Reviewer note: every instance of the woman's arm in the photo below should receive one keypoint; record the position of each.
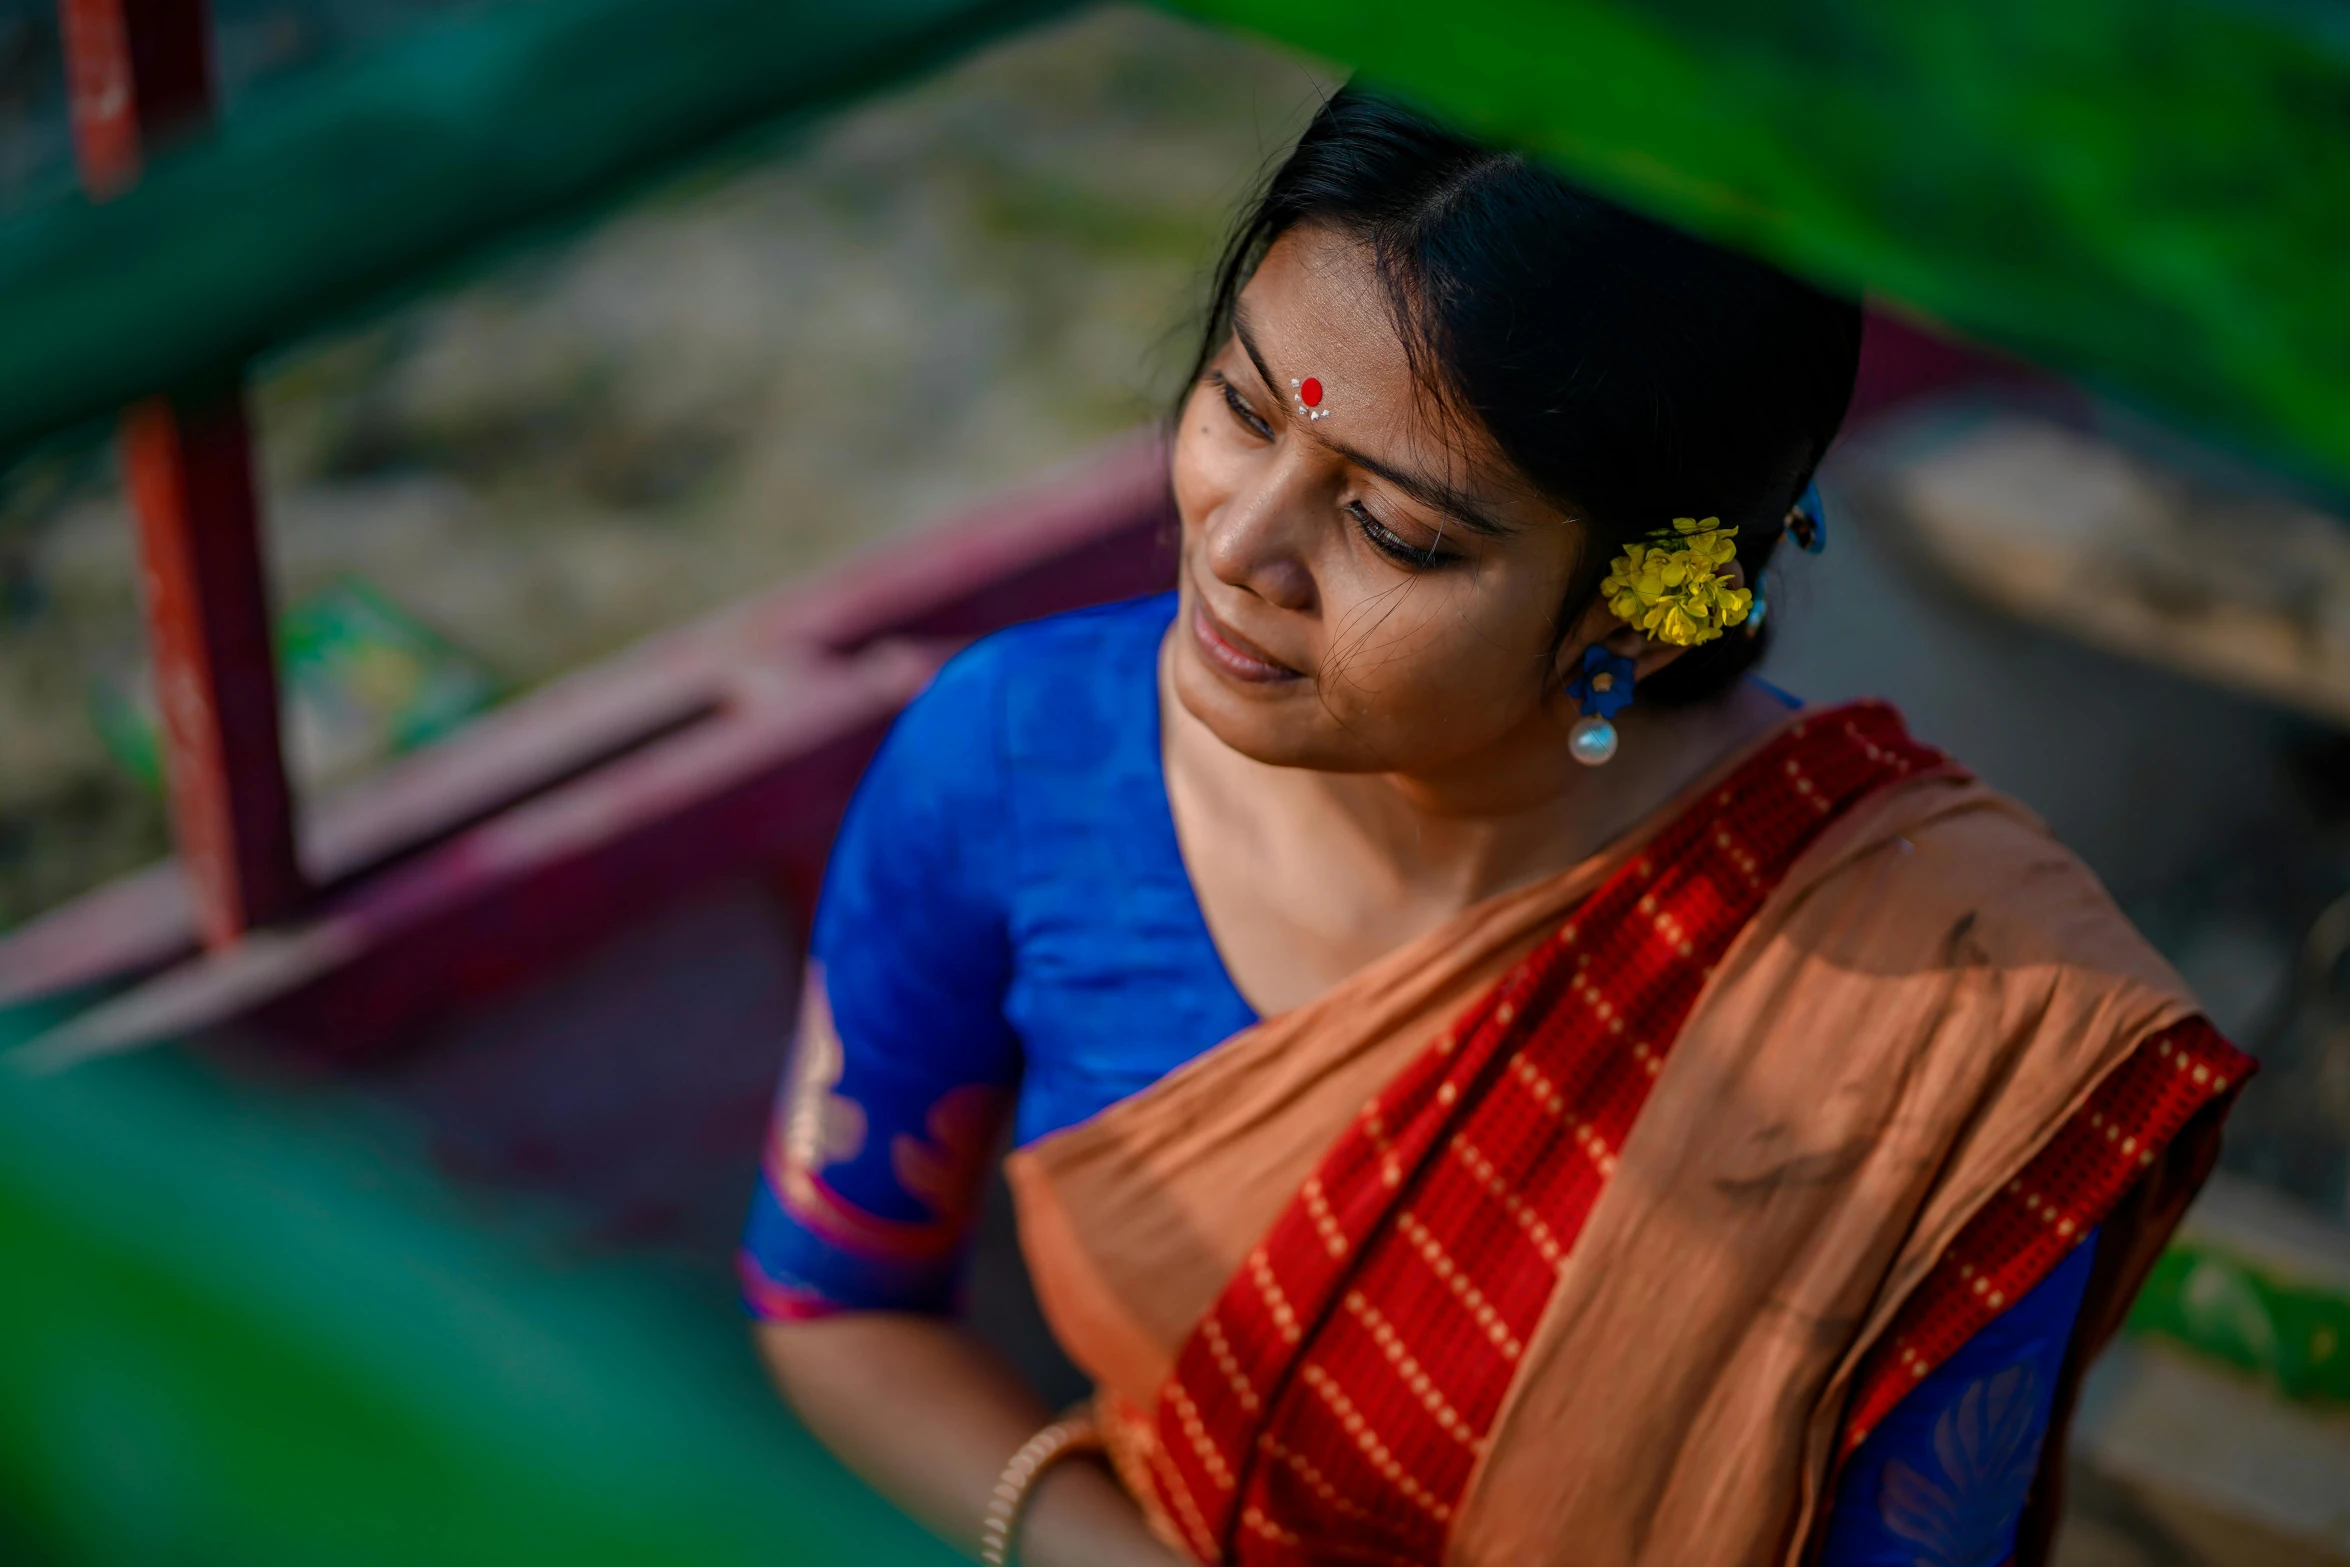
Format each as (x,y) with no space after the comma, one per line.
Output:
(930,1416)
(903,1070)
(902,1073)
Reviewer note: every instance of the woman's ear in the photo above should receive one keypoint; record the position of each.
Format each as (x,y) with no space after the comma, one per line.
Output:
(1648,656)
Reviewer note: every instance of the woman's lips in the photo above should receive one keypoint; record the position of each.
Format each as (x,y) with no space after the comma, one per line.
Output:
(1233,653)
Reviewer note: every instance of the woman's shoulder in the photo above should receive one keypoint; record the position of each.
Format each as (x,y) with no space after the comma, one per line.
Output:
(1070,680)
(1059,649)
(936,815)
(1951,873)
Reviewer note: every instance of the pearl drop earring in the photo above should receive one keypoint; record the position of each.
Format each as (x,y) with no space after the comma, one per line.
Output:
(1602,690)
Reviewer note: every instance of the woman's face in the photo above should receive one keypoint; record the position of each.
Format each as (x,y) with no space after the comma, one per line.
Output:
(1373,590)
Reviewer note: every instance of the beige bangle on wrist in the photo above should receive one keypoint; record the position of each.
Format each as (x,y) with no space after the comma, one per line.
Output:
(1073,1433)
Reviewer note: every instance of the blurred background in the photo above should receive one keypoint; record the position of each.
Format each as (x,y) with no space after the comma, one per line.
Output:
(784,356)
(390,1219)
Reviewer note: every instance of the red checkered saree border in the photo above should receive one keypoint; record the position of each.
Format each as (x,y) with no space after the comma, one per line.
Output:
(1332,1403)
(2018,1237)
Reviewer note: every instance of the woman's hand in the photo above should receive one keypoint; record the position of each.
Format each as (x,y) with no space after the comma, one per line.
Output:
(930,1416)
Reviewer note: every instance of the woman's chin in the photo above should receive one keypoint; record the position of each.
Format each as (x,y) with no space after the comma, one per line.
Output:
(1278,723)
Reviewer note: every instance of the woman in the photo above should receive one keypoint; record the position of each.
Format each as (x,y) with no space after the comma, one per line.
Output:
(1492,1082)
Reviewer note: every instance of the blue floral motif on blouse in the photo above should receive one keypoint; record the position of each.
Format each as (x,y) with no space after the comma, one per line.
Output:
(1986,1449)
(1942,1480)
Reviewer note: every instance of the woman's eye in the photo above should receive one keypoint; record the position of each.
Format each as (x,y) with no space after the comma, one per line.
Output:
(1241,411)
(1394,545)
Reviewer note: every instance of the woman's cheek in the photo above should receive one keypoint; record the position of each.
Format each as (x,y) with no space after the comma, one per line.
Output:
(1207,470)
(1388,655)
(1447,684)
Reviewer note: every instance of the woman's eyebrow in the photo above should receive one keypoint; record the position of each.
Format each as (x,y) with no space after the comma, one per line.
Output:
(1428,492)
(1248,346)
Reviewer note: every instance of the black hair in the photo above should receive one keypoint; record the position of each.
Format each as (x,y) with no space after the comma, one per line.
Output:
(1631,372)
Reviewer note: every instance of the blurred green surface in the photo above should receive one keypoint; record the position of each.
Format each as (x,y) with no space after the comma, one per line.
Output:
(2151,195)
(364,681)
(249,1326)
(244,1327)
(354,184)
(2154,196)
(2293,1336)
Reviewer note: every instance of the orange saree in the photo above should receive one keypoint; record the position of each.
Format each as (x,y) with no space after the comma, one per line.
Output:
(1597,1226)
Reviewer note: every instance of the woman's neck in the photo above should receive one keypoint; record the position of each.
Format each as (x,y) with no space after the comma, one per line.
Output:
(1305,876)
(1525,808)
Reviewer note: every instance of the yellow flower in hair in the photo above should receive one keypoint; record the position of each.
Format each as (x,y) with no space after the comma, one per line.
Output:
(1677,591)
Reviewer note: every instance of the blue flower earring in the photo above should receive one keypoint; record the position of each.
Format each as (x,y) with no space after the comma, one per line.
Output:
(1601,691)
(1807,521)
(1807,526)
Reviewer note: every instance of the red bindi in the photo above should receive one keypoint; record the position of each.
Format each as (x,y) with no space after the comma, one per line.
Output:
(1309,392)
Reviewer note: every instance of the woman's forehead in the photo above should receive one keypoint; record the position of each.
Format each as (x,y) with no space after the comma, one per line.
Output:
(1317,307)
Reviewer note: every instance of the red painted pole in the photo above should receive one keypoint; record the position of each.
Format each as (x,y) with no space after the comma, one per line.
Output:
(141,71)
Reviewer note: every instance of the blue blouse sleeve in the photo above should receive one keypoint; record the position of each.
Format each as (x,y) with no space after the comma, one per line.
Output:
(1942,1480)
(903,1068)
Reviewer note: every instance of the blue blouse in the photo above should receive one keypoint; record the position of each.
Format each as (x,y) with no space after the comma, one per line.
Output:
(1007,909)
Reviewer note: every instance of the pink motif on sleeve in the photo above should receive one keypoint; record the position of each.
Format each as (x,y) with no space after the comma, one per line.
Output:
(946,1172)
(819,1127)
(771,1301)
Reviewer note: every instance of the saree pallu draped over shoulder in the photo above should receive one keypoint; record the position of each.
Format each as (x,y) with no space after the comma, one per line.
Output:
(1598,1226)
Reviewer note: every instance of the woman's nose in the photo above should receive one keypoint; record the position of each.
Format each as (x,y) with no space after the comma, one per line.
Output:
(1258,539)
